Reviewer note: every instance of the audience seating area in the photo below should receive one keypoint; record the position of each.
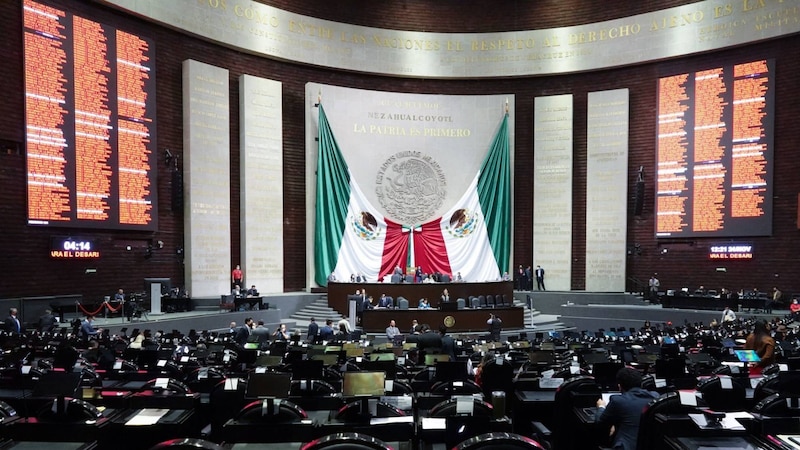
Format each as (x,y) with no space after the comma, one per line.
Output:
(539,391)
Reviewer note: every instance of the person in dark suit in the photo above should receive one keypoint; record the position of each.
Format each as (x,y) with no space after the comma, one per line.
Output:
(326,332)
(12,323)
(539,279)
(243,332)
(313,330)
(429,341)
(624,411)
(47,321)
(87,328)
(260,333)
(448,344)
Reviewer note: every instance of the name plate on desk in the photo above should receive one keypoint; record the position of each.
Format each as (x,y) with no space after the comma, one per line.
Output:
(550,383)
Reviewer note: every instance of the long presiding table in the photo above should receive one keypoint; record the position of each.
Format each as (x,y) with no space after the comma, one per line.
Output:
(338,292)
(468,319)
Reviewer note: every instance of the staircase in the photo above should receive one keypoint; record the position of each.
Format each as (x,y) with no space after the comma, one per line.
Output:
(319,310)
(541,322)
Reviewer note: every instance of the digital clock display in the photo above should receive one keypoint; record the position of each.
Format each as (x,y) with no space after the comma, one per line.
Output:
(67,247)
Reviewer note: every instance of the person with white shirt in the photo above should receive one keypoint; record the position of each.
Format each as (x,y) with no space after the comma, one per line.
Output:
(728,315)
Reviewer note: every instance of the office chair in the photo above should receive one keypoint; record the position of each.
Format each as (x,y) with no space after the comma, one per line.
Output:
(402,303)
(352,411)
(482,301)
(474,302)
(490,301)
(461,303)
(271,411)
(225,403)
(68,410)
(766,386)
(719,399)
(497,377)
(186,444)
(311,388)
(203,379)
(400,387)
(499,441)
(579,391)
(346,441)
(448,408)
(669,403)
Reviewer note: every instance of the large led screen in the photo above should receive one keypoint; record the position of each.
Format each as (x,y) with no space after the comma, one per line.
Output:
(90,122)
(715,152)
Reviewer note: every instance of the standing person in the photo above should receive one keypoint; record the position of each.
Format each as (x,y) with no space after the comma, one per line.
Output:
(313,331)
(539,279)
(728,316)
(495,327)
(448,344)
(519,279)
(243,333)
(326,332)
(237,277)
(280,333)
(764,345)
(47,321)
(624,411)
(12,323)
(654,284)
(776,300)
(445,296)
(261,333)
(529,279)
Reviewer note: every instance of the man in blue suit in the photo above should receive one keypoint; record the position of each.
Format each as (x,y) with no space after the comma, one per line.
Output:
(624,411)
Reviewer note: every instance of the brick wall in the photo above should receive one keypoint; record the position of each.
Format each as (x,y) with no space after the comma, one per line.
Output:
(27,270)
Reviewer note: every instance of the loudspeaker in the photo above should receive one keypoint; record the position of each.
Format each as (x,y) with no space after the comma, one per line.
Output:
(177,190)
(638,198)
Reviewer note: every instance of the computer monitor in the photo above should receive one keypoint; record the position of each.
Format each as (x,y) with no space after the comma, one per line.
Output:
(671,369)
(309,369)
(268,361)
(327,359)
(543,358)
(268,385)
(605,374)
(389,367)
(451,371)
(363,384)
(58,384)
(432,359)
(382,357)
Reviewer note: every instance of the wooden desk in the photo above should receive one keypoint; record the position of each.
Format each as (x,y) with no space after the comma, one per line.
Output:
(338,292)
(376,320)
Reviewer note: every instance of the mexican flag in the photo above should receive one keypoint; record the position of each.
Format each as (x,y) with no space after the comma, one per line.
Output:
(352,238)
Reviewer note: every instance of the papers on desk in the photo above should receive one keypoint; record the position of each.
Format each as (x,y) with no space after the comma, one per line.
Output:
(729,422)
(385,420)
(434,423)
(146,416)
(790,440)
(550,383)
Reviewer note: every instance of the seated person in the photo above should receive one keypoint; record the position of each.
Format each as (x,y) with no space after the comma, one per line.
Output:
(385,302)
(237,292)
(392,331)
(119,296)
(794,308)
(423,304)
(252,292)
(624,412)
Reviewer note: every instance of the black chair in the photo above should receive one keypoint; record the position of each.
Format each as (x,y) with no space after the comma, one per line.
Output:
(766,387)
(490,301)
(311,388)
(449,408)
(271,411)
(497,377)
(203,379)
(187,444)
(352,411)
(482,301)
(579,391)
(719,399)
(347,441)
(400,387)
(68,410)
(499,441)
(669,403)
